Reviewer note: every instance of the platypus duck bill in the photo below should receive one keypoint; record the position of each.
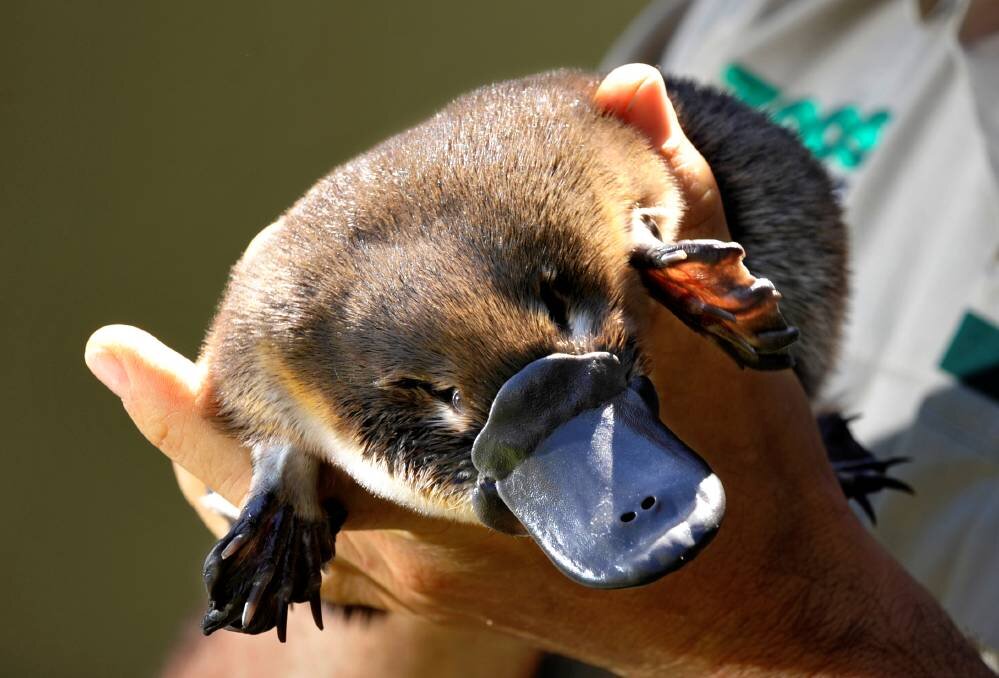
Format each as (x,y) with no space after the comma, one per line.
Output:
(575,455)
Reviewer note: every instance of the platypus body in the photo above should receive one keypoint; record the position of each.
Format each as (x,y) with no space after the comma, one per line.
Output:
(453,318)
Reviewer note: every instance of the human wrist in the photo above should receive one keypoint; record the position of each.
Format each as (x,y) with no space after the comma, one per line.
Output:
(898,627)
(859,614)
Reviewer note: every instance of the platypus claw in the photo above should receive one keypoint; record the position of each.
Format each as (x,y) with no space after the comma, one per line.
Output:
(705,283)
(859,472)
(270,559)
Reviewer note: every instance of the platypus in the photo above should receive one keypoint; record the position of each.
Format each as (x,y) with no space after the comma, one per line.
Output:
(452,317)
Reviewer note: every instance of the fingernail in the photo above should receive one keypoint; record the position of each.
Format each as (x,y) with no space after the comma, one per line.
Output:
(108,369)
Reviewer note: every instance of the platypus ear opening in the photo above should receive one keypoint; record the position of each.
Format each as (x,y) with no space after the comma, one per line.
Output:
(443,393)
(707,286)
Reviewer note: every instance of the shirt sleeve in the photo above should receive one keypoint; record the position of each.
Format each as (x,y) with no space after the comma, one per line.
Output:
(645,38)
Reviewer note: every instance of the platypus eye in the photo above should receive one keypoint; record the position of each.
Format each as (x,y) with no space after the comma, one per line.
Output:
(448,396)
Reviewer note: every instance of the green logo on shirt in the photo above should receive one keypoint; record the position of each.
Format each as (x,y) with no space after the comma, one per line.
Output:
(842,135)
(973,355)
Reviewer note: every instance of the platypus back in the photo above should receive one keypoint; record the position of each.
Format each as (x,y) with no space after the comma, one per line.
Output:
(449,315)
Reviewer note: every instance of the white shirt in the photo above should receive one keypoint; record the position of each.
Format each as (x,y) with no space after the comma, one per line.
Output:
(892,91)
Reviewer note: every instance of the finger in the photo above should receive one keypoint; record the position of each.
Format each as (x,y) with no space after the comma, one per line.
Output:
(195,491)
(637,95)
(160,391)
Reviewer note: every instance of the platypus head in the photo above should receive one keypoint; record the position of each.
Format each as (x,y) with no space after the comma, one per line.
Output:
(497,364)
(484,346)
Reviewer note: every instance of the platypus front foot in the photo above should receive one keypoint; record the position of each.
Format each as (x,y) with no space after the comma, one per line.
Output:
(706,285)
(269,559)
(272,557)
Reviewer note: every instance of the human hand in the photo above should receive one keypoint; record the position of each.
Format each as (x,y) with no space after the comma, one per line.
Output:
(636,94)
(790,569)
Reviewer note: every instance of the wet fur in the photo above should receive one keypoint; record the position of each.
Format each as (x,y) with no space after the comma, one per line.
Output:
(430,259)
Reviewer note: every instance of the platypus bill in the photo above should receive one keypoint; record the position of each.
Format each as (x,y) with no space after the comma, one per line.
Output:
(451,318)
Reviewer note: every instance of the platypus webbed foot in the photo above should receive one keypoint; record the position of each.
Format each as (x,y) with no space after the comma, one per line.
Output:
(859,472)
(705,283)
(275,551)
(270,559)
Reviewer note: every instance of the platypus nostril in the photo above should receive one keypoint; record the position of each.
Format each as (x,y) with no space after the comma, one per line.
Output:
(648,503)
(628,517)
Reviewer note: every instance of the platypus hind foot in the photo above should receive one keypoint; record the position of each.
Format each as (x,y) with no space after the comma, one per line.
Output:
(706,285)
(272,557)
(859,472)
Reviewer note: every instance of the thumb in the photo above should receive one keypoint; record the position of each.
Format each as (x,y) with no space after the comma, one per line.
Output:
(160,391)
(636,94)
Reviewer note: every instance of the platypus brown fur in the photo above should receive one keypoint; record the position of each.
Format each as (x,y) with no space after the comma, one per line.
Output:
(374,328)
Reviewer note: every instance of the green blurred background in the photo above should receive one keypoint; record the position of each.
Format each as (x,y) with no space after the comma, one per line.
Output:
(141,146)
